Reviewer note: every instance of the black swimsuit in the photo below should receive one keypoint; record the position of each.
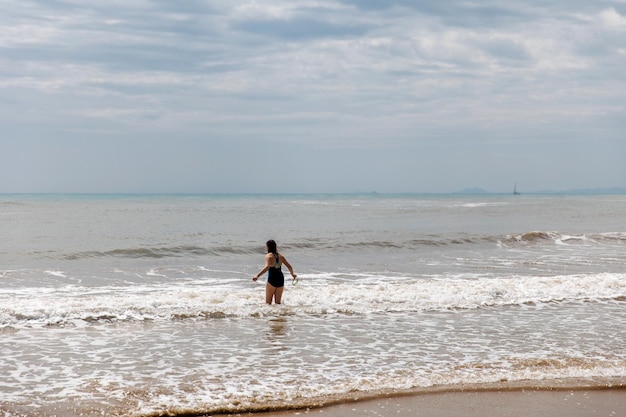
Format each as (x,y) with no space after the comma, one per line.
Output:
(275,276)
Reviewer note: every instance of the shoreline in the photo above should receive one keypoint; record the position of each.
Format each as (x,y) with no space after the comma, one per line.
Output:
(525,398)
(499,403)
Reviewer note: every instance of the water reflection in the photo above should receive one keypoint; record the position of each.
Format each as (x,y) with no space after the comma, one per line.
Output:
(277,329)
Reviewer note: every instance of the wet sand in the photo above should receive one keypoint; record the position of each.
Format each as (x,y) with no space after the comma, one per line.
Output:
(609,403)
(492,403)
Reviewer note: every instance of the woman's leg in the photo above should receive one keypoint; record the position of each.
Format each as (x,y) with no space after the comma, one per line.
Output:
(270,290)
(278,295)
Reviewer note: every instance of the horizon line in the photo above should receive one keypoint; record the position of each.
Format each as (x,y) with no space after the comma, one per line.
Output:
(467,191)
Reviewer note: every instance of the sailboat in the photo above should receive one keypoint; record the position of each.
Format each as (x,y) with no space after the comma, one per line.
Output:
(515,192)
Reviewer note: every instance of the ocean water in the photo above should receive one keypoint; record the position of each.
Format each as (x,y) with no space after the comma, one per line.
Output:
(142,305)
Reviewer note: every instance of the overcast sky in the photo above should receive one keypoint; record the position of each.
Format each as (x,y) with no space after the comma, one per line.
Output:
(311,96)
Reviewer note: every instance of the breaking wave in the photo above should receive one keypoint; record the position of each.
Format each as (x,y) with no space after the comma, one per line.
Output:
(560,238)
(527,238)
(315,295)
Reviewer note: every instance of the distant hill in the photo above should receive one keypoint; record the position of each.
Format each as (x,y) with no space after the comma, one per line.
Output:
(588,191)
(576,191)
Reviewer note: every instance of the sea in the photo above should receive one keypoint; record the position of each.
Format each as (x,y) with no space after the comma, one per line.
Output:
(144,305)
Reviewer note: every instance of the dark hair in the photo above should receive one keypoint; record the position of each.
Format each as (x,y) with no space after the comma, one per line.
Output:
(271,247)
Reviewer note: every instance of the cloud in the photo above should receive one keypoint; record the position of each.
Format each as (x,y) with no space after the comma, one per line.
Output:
(298,29)
(612,19)
(320,77)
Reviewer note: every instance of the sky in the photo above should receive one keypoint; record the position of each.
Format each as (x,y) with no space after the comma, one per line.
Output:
(285,96)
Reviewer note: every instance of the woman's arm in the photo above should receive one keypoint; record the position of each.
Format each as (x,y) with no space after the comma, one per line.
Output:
(268,259)
(288,265)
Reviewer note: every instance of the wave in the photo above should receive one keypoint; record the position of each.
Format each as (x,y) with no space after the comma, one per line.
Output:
(162,252)
(432,241)
(216,251)
(565,238)
(316,295)
(348,397)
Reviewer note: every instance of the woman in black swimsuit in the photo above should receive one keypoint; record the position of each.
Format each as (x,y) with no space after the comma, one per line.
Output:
(275,278)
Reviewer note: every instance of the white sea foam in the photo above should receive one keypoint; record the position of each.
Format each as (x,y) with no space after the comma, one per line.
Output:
(482,204)
(203,366)
(314,295)
(59,274)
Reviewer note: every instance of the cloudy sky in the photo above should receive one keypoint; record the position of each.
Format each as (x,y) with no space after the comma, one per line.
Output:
(311,95)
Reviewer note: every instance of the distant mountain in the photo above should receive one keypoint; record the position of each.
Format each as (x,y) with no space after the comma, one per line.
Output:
(576,191)
(588,191)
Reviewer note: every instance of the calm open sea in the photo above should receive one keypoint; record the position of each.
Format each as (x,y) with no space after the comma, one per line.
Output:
(144,304)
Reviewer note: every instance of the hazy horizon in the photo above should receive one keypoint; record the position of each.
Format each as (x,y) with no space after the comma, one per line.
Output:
(467,191)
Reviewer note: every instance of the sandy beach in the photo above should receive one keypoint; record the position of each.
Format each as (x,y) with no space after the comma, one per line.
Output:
(496,403)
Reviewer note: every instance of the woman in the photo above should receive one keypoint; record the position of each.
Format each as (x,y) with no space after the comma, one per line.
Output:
(275,278)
